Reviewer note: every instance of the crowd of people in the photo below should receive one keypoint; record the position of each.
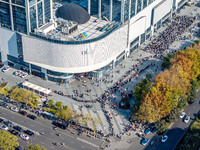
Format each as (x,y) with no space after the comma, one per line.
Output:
(168,36)
(157,46)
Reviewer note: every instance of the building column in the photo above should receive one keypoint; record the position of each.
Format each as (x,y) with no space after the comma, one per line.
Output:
(36,4)
(111,7)
(51,5)
(136,7)
(43,11)
(11,16)
(141,5)
(30,68)
(44,71)
(139,40)
(89,5)
(122,11)
(99,9)
(114,61)
(28,24)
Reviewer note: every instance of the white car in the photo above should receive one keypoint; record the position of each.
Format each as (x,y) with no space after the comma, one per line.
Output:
(183,114)
(187,119)
(4,127)
(24,137)
(14,109)
(164,138)
(5,69)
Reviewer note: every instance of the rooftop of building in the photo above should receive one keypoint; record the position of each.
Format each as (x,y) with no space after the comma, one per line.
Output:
(91,29)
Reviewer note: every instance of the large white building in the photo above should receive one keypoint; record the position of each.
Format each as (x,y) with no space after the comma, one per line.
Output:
(32,37)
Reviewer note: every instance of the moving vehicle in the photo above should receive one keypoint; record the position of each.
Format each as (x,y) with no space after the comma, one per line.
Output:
(60,124)
(145,141)
(29,132)
(187,119)
(24,113)
(164,138)
(3,127)
(32,117)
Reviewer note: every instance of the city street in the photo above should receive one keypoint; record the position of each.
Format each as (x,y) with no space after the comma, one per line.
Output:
(40,125)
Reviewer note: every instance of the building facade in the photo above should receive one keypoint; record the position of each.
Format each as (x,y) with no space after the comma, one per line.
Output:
(58,60)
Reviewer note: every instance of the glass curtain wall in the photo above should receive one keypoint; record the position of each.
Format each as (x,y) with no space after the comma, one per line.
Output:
(126,10)
(5,15)
(133,8)
(116,12)
(19,19)
(94,4)
(139,6)
(144,4)
(47,10)
(40,14)
(19,2)
(32,12)
(105,9)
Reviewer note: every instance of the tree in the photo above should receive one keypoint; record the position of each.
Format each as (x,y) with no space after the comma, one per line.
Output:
(50,102)
(35,147)
(8,141)
(64,113)
(148,76)
(14,87)
(58,105)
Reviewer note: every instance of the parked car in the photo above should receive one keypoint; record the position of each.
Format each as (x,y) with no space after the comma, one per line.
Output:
(32,117)
(164,138)
(1,120)
(3,127)
(154,130)
(147,131)
(18,148)
(187,119)
(182,114)
(8,123)
(24,113)
(14,109)
(5,69)
(14,132)
(18,128)
(24,137)
(145,141)
(29,132)
(5,105)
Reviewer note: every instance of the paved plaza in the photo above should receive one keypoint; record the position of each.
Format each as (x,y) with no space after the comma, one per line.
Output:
(100,85)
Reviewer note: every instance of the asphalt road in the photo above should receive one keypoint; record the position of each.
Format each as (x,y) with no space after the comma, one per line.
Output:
(178,129)
(72,142)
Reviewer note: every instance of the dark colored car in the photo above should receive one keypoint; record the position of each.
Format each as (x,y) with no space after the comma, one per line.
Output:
(1,120)
(29,132)
(18,128)
(14,132)
(8,123)
(154,130)
(18,148)
(32,117)
(24,113)
(60,124)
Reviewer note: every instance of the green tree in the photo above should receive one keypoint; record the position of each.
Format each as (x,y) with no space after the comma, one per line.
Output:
(182,103)
(64,113)
(35,147)
(8,141)
(58,105)
(50,102)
